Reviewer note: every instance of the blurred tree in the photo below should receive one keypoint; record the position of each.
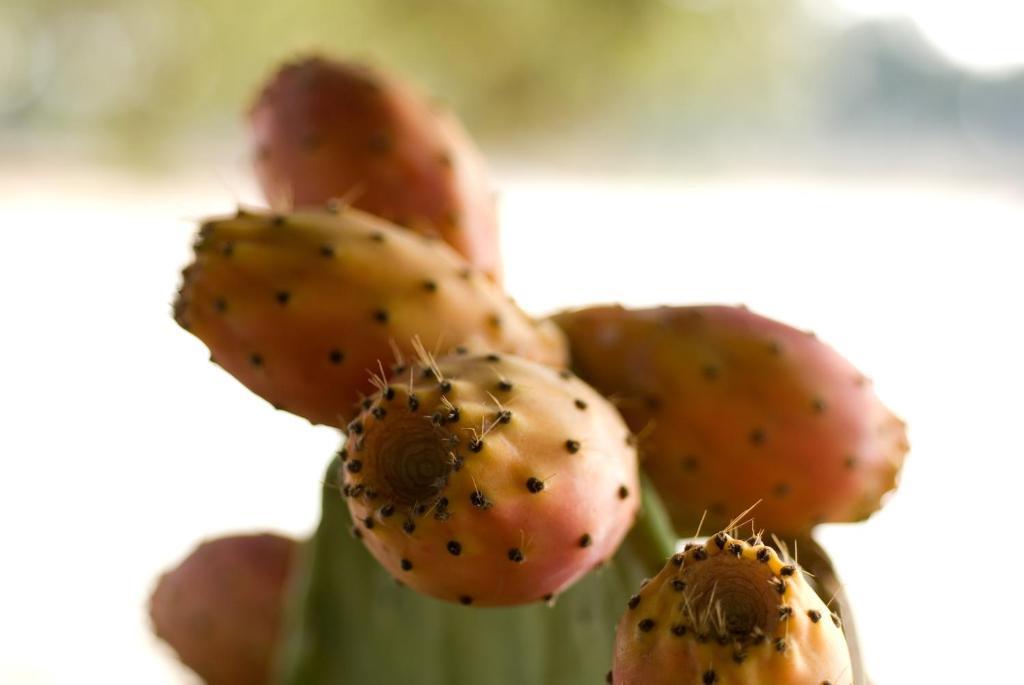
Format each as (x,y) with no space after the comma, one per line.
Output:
(145,72)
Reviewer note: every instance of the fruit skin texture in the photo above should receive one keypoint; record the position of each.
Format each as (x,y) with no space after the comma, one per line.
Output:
(301,307)
(728,612)
(324,130)
(734,408)
(489,480)
(222,607)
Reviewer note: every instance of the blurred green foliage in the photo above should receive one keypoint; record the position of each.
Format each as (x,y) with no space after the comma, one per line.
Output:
(145,72)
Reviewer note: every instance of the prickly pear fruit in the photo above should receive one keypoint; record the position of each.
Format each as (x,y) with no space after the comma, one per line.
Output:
(733,407)
(221,608)
(300,307)
(489,480)
(324,130)
(728,612)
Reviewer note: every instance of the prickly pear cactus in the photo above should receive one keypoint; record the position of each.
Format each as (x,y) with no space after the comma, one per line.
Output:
(301,307)
(734,408)
(221,609)
(484,521)
(350,622)
(489,479)
(730,612)
(325,130)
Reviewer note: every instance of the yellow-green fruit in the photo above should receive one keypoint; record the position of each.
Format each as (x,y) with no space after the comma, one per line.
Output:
(302,307)
(728,612)
(489,479)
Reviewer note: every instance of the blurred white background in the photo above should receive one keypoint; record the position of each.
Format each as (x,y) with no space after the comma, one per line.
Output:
(122,447)
(888,216)
(981,34)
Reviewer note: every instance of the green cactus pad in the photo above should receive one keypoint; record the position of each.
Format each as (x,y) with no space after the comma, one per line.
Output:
(350,622)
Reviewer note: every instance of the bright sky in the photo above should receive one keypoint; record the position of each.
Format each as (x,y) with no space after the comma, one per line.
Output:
(980,34)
